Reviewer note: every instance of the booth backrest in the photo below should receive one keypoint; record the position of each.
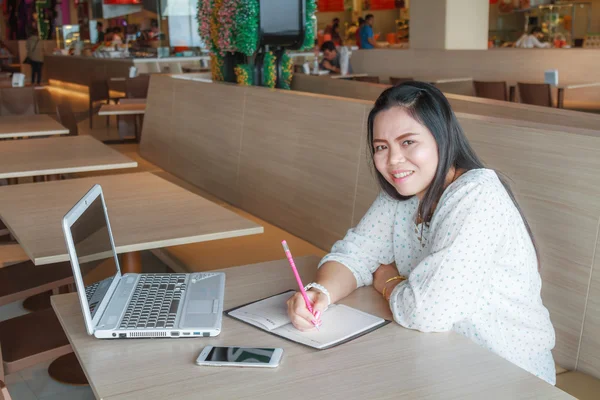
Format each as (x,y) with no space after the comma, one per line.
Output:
(299,161)
(459,103)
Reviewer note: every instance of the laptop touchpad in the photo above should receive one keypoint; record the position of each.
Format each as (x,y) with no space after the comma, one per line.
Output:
(200,306)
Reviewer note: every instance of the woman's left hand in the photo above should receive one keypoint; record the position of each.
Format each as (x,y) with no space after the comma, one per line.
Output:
(382,274)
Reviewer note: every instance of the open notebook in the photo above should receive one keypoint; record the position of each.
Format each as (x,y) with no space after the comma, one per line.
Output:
(340,323)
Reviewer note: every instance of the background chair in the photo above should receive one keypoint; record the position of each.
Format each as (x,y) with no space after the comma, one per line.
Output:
(22,280)
(98,91)
(537,94)
(370,79)
(491,90)
(18,101)
(65,115)
(396,80)
(31,339)
(137,88)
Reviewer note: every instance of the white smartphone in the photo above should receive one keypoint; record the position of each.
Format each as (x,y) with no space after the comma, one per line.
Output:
(232,356)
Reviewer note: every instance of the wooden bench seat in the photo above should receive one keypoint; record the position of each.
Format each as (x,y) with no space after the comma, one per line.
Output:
(580,385)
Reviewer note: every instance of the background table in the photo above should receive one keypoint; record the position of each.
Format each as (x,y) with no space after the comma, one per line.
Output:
(122,109)
(58,155)
(560,102)
(391,362)
(12,126)
(146,212)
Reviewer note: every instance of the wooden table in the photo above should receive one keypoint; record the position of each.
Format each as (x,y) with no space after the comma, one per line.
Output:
(122,109)
(58,155)
(391,362)
(146,212)
(13,126)
(560,101)
(435,81)
(347,76)
(561,91)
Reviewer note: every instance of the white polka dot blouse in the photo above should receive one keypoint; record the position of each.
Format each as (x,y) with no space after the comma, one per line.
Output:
(472,270)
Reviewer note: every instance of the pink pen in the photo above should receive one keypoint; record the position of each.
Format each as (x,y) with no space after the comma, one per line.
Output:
(288,254)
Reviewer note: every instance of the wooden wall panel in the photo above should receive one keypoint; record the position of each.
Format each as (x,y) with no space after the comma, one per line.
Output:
(337,87)
(554,176)
(589,355)
(298,167)
(159,122)
(574,66)
(207,135)
(459,103)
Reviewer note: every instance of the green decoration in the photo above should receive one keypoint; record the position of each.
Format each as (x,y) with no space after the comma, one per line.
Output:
(287,71)
(244,74)
(309,35)
(246,22)
(216,67)
(269,70)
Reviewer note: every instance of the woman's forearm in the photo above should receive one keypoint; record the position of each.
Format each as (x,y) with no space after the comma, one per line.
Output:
(337,279)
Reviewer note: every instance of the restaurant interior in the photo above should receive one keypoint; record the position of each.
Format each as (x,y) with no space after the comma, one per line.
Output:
(207,132)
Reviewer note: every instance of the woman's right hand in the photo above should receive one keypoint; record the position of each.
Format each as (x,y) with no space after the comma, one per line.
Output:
(301,318)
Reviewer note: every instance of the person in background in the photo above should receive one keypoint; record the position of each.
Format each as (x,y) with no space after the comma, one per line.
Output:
(335,34)
(529,41)
(154,33)
(100,29)
(329,28)
(35,53)
(331,58)
(367,39)
(361,23)
(117,36)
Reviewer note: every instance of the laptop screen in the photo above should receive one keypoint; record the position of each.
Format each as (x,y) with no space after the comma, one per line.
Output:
(94,253)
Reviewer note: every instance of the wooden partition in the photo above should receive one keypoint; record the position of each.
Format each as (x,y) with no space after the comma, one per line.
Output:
(300,161)
(459,103)
(78,70)
(512,65)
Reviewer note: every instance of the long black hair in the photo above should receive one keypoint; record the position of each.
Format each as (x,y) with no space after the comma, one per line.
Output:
(427,105)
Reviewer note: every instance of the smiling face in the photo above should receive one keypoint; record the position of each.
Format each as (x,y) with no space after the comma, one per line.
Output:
(405,152)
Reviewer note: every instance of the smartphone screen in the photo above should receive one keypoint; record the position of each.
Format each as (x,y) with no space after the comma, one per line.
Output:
(240,355)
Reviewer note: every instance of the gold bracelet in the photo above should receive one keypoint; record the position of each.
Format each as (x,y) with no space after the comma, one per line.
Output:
(395,278)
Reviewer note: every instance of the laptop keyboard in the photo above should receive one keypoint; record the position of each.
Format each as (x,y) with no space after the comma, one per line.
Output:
(155,302)
(89,293)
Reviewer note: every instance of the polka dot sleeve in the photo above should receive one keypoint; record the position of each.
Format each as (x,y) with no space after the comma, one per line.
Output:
(369,244)
(468,229)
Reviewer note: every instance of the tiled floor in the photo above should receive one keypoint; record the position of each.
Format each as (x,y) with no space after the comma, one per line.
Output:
(35,383)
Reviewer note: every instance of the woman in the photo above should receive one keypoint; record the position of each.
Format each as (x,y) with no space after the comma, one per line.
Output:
(35,54)
(532,40)
(445,242)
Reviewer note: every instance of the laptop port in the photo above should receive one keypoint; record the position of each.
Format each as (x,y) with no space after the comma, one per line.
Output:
(197,333)
(122,335)
(186,334)
(174,333)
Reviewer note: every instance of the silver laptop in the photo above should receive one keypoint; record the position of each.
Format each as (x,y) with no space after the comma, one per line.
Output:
(134,305)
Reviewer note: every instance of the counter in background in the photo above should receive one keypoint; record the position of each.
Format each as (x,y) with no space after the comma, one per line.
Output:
(75,72)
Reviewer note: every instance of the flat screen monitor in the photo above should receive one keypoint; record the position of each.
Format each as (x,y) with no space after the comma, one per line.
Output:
(282,23)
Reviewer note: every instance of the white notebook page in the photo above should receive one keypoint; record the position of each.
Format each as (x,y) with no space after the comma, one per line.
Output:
(340,322)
